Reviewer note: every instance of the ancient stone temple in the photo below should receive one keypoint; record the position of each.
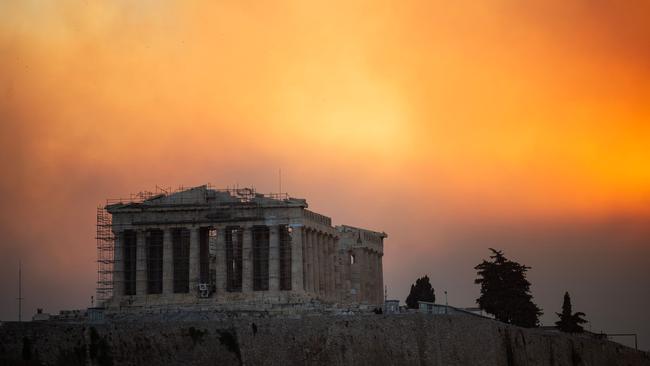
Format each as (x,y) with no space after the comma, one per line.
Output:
(236,247)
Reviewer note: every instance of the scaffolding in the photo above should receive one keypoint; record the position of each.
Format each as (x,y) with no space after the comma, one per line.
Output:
(244,194)
(105,254)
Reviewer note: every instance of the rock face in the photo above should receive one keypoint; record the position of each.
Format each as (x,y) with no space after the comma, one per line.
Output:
(412,339)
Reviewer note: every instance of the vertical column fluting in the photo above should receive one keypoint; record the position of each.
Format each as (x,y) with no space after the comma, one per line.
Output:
(373,261)
(376,278)
(346,277)
(296,259)
(356,275)
(326,281)
(372,296)
(326,267)
(274,258)
(337,270)
(339,265)
(367,277)
(368,267)
(304,264)
(118,265)
(247,259)
(307,261)
(330,242)
(141,264)
(168,264)
(375,274)
(362,274)
(194,259)
(221,261)
(371,285)
(318,260)
(323,265)
(316,263)
(380,277)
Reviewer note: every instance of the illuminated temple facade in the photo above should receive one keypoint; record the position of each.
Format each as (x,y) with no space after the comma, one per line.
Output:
(238,248)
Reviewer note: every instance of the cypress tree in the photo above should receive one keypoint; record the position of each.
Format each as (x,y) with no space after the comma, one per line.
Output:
(569,322)
(420,291)
(505,291)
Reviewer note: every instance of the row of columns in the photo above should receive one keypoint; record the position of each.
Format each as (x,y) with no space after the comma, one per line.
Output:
(319,263)
(221,264)
(141,269)
(369,274)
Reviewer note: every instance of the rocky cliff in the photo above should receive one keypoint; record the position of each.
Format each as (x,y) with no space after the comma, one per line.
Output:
(412,339)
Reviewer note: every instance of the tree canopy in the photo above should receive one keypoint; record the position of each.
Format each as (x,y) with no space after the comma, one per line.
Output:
(420,291)
(505,291)
(570,322)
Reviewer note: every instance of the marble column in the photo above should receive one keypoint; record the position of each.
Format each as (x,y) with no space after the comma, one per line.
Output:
(375,273)
(194,260)
(346,276)
(376,282)
(221,260)
(371,278)
(296,259)
(314,237)
(380,276)
(118,264)
(337,270)
(332,273)
(355,276)
(362,273)
(368,278)
(326,267)
(339,264)
(274,258)
(371,288)
(313,234)
(307,262)
(314,261)
(168,264)
(141,264)
(324,279)
(323,265)
(367,291)
(247,259)
(304,264)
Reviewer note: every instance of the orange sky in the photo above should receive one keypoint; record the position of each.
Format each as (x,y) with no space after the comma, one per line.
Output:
(447,124)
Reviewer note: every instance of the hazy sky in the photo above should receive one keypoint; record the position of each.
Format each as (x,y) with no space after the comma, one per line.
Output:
(454,126)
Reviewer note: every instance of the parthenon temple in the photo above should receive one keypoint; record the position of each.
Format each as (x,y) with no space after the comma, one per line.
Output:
(230,248)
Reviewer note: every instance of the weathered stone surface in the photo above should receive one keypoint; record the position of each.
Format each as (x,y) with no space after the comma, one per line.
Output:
(412,339)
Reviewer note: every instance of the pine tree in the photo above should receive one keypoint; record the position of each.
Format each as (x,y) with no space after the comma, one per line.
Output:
(569,322)
(420,291)
(505,292)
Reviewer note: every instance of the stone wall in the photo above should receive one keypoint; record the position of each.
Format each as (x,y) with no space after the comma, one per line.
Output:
(410,339)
